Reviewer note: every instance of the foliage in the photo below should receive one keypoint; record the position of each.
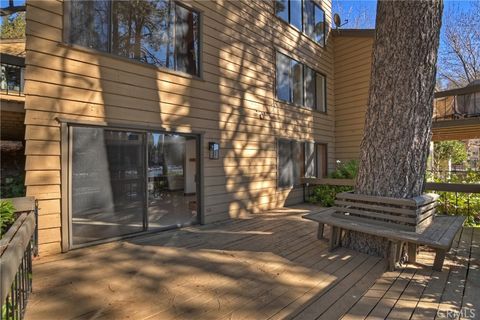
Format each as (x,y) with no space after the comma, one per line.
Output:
(7,215)
(325,194)
(13,26)
(15,187)
(458,62)
(451,149)
(348,170)
(459,203)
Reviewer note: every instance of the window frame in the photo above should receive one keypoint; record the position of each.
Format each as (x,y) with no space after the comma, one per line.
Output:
(303,168)
(324,92)
(302,30)
(317,168)
(66,21)
(291,103)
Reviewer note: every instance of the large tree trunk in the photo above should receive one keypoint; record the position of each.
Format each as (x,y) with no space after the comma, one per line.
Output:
(395,144)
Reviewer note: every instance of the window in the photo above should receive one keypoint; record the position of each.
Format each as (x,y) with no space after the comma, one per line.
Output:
(283,78)
(320,90)
(289,163)
(297,82)
(305,15)
(314,22)
(300,85)
(315,159)
(321,155)
(297,159)
(296,13)
(158,32)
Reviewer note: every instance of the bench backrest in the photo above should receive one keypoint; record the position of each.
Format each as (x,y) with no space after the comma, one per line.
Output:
(407,214)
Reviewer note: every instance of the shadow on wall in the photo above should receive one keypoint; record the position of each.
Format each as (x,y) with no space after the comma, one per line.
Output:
(251,119)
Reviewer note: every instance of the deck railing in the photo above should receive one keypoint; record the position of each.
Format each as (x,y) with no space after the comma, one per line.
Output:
(17,248)
(455,198)
(457,103)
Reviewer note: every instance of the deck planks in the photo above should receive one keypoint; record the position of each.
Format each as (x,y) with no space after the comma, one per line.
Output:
(268,267)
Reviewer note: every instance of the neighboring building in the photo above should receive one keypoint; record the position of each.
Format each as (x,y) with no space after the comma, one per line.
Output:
(12,115)
(456,112)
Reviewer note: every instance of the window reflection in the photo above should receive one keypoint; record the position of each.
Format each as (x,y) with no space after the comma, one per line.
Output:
(158,32)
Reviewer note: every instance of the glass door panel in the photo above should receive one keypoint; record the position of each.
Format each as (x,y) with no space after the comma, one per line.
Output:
(172,170)
(108,183)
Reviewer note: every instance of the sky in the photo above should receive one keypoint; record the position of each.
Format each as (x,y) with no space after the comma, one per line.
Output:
(4,3)
(361,13)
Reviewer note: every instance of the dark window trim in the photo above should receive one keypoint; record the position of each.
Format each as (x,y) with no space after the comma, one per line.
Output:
(302,173)
(324,91)
(66,125)
(302,30)
(67,43)
(325,112)
(322,175)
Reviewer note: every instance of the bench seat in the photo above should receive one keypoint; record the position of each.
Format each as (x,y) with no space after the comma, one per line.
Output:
(438,235)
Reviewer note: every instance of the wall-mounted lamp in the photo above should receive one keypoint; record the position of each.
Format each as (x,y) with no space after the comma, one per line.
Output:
(214,150)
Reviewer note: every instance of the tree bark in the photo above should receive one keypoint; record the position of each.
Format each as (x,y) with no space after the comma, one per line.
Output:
(398,122)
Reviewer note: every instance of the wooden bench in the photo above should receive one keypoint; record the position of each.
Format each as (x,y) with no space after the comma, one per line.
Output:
(439,234)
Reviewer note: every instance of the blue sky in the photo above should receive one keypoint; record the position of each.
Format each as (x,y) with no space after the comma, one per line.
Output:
(4,3)
(361,13)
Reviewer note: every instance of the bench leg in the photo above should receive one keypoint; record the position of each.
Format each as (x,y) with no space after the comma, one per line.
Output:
(392,255)
(439,259)
(412,252)
(320,231)
(334,237)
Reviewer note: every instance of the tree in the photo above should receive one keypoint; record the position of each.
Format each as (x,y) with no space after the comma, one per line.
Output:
(13,26)
(395,145)
(453,150)
(459,56)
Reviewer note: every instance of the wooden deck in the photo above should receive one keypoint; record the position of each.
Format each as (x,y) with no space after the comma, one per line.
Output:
(267,267)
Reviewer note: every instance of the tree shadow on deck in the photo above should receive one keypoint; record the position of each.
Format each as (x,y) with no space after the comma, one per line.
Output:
(251,268)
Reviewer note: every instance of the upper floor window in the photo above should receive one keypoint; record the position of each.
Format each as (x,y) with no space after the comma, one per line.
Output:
(305,15)
(299,84)
(158,32)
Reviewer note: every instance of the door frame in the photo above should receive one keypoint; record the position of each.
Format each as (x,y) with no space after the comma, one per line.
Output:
(66,163)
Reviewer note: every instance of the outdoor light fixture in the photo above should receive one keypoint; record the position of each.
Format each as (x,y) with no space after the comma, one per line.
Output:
(214,150)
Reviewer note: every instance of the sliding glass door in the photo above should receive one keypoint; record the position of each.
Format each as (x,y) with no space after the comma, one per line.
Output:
(171,180)
(107,183)
(123,182)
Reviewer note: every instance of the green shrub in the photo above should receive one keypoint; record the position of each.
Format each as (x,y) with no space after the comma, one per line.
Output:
(458,203)
(348,170)
(7,216)
(324,194)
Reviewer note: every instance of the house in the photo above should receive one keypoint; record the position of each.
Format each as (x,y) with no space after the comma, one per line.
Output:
(149,116)
(194,112)
(153,115)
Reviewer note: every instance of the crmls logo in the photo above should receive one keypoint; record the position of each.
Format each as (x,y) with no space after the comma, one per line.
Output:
(467,313)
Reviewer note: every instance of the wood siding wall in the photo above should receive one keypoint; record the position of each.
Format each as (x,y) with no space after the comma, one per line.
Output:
(233,103)
(353,58)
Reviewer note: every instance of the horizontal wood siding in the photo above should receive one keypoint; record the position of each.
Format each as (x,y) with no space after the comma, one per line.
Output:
(352,81)
(233,103)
